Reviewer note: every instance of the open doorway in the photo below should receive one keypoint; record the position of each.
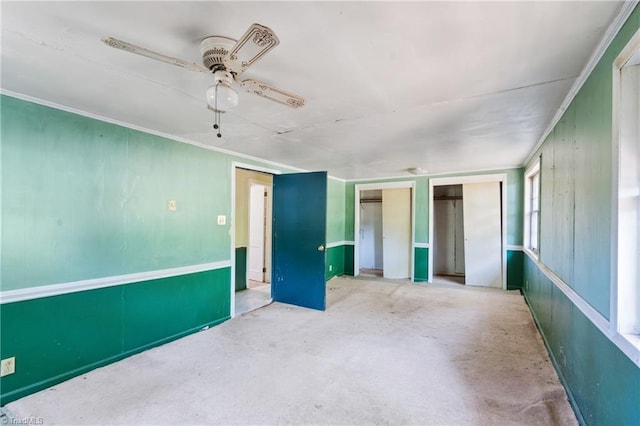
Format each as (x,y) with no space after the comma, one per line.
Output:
(384,220)
(371,233)
(259,230)
(252,232)
(448,241)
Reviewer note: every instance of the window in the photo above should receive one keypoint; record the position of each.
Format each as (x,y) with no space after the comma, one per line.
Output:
(627,113)
(532,208)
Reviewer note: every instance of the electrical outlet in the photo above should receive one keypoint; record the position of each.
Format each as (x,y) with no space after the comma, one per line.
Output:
(330,268)
(222,219)
(8,366)
(173,206)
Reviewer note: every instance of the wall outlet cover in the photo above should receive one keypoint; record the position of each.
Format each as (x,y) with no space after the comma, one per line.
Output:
(222,219)
(173,206)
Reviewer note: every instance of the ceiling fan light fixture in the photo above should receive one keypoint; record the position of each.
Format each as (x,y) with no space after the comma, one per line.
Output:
(417,170)
(221,97)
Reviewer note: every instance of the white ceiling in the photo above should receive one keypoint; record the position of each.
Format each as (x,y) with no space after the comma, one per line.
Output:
(445,86)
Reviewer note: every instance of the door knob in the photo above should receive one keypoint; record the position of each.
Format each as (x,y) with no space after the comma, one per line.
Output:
(321,247)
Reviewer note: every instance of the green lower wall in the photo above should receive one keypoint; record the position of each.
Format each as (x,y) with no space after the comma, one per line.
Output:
(340,259)
(602,382)
(241,268)
(335,261)
(421,264)
(515,266)
(348,259)
(59,337)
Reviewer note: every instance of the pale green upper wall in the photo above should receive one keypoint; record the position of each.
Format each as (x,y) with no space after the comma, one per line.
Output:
(514,204)
(576,183)
(335,210)
(84,199)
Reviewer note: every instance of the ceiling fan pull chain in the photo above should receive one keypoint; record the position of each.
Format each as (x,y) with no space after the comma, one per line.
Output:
(216,113)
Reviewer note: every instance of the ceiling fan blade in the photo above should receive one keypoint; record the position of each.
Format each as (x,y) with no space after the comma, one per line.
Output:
(266,91)
(252,46)
(128,47)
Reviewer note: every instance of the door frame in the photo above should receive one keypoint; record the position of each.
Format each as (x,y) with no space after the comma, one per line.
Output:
(234,166)
(266,216)
(461,180)
(356,225)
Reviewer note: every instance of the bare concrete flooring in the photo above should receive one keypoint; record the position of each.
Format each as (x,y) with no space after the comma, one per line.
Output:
(384,352)
(252,298)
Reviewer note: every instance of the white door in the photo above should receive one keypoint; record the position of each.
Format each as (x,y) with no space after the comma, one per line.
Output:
(396,233)
(482,234)
(371,235)
(267,233)
(256,232)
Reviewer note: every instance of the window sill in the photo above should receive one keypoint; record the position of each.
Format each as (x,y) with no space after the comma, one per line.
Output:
(534,255)
(633,339)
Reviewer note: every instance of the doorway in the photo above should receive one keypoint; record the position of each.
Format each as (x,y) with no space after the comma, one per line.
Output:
(259,248)
(371,233)
(252,232)
(294,242)
(384,221)
(448,255)
(467,224)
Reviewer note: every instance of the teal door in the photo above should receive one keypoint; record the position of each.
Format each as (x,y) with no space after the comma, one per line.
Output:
(299,234)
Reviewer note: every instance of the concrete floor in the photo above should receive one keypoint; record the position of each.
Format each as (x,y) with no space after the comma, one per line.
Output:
(384,352)
(252,298)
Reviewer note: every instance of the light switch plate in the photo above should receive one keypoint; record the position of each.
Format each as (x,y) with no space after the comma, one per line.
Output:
(8,366)
(222,219)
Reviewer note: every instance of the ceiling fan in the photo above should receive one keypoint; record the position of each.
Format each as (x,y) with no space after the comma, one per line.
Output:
(226,59)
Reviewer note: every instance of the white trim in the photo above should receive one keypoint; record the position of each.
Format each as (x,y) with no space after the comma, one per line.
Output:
(19,295)
(628,348)
(512,247)
(143,129)
(477,171)
(339,243)
(431,175)
(385,185)
(356,222)
(217,149)
(254,168)
(457,180)
(421,245)
(615,296)
(526,237)
(612,31)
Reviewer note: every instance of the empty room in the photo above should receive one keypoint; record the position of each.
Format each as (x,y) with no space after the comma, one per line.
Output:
(347,213)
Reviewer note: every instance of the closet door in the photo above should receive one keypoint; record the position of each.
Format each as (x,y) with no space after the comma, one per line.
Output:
(396,232)
(482,234)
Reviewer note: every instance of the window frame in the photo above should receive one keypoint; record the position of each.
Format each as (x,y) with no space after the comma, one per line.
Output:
(625,275)
(531,178)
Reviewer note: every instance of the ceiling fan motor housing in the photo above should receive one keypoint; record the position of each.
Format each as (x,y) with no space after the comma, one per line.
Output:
(214,49)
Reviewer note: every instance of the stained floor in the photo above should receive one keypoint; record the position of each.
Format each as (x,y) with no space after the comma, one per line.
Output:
(384,352)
